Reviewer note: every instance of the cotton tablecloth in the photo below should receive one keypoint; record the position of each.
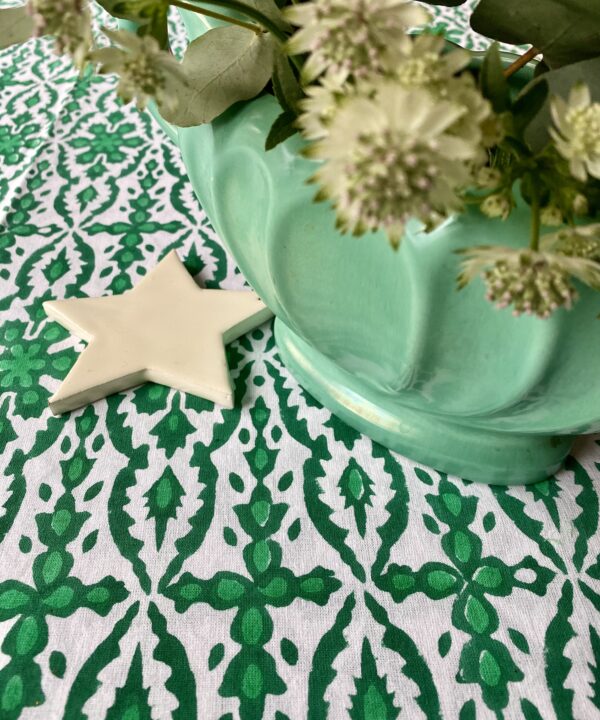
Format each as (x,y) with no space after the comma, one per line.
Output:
(161,557)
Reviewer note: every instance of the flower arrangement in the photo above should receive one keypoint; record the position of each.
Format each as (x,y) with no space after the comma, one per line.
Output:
(404,124)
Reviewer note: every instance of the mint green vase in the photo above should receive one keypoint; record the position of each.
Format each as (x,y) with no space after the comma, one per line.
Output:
(383,338)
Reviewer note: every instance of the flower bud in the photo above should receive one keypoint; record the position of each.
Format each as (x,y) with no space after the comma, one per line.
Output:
(551,216)
(496,206)
(580,205)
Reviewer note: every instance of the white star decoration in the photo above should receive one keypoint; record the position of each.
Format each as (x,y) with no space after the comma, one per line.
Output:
(165,330)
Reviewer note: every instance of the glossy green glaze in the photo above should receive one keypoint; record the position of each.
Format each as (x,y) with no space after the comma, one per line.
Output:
(383,338)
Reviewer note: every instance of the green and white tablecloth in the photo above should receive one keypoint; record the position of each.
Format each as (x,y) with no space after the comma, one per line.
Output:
(164,558)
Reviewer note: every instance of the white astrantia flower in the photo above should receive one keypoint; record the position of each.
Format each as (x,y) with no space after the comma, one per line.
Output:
(532,282)
(145,71)
(388,157)
(69,21)
(424,63)
(478,123)
(351,37)
(319,106)
(582,241)
(577,132)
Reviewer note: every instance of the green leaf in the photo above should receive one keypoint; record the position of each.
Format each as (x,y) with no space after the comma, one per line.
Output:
(558,664)
(282,129)
(164,498)
(289,651)
(16,26)
(25,544)
(285,84)
(93,490)
(89,541)
(172,429)
(444,643)
(294,529)
(215,656)
(372,698)
(566,31)
(285,481)
(489,521)
(270,10)
(415,667)
(320,514)
(514,508)
(322,672)
(58,663)
(229,536)
(396,509)
(236,482)
(586,523)
(181,682)
(560,83)
(494,85)
(221,67)
(528,105)
(530,712)
(131,700)
(595,667)
(431,524)
(86,682)
(356,487)
(519,640)
(467,712)
(423,476)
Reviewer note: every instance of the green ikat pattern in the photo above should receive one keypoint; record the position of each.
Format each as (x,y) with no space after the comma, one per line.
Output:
(165,559)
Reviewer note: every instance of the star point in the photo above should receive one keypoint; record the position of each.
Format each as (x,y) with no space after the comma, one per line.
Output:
(166,330)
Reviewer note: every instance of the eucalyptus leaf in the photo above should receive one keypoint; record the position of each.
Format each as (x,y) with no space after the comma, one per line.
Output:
(221,67)
(16,26)
(150,16)
(269,9)
(559,82)
(565,31)
(494,85)
(283,128)
(528,105)
(285,84)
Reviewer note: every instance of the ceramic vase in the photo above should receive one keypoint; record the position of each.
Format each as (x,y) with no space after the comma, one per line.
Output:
(384,339)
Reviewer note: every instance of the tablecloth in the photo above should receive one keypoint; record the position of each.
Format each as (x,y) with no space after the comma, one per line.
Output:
(161,557)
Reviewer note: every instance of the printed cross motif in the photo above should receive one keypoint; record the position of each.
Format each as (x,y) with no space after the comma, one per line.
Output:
(55,592)
(252,675)
(471,579)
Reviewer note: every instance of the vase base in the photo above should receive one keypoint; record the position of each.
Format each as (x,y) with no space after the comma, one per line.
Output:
(473,453)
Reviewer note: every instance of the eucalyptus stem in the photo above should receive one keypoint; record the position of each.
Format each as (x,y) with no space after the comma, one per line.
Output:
(535,221)
(521,62)
(217,16)
(240,7)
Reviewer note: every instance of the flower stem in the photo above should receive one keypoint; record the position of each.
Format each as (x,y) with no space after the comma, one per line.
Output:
(534,243)
(521,62)
(217,16)
(240,7)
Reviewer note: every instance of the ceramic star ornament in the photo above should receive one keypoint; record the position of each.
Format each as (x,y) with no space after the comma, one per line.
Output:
(165,330)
